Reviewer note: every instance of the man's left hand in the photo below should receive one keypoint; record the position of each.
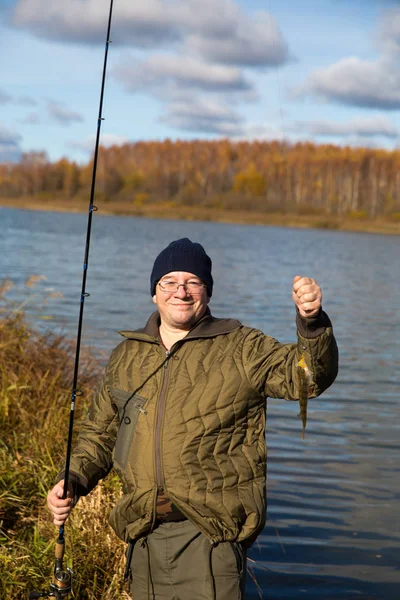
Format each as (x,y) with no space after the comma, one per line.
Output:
(307,296)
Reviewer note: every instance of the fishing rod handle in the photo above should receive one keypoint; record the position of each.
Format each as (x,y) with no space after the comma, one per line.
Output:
(59,549)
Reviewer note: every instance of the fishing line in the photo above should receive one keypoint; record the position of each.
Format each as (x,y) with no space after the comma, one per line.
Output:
(61,586)
(304,372)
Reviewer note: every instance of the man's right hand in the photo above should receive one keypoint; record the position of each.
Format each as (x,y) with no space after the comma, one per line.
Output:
(59,507)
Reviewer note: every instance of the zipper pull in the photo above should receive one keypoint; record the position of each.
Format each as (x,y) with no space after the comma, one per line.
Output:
(167,357)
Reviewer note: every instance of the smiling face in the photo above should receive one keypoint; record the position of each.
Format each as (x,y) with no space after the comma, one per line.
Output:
(181,309)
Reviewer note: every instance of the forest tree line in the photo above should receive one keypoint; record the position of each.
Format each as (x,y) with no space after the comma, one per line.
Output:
(301,178)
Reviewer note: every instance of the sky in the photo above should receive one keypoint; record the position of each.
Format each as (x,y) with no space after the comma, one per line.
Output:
(319,70)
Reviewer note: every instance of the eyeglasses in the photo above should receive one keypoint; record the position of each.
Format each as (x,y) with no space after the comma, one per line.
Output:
(193,287)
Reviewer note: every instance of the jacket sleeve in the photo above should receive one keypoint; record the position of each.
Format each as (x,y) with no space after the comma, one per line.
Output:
(271,367)
(91,459)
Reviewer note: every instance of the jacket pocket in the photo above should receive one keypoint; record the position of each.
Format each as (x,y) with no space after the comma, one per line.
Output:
(130,407)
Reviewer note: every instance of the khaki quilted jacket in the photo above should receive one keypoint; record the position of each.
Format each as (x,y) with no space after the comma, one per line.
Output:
(191,422)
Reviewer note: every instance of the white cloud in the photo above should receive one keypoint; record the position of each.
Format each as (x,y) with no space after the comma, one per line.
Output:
(137,23)
(215,117)
(217,29)
(9,137)
(205,116)
(389,31)
(62,115)
(362,142)
(363,83)
(32,118)
(106,140)
(210,43)
(170,75)
(260,131)
(243,41)
(360,127)
(22,100)
(351,81)
(26,101)
(10,150)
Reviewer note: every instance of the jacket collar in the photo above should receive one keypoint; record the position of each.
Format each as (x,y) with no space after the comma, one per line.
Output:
(207,326)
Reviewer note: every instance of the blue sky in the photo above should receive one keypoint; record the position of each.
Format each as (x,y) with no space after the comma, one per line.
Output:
(319,70)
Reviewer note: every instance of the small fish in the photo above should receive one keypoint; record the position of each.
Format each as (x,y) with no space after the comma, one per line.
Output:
(304,383)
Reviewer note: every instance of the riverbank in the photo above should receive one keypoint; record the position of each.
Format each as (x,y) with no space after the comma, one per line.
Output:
(171,210)
(35,385)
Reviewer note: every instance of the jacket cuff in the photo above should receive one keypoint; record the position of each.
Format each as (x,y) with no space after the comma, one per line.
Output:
(79,484)
(312,327)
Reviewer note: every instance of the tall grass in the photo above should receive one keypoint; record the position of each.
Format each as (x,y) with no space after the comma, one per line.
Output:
(35,389)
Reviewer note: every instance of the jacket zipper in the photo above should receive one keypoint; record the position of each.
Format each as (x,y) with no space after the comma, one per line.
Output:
(159,423)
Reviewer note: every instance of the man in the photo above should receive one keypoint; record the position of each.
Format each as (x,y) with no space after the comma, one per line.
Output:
(180,415)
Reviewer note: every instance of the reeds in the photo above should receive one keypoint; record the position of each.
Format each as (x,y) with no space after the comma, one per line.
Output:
(35,390)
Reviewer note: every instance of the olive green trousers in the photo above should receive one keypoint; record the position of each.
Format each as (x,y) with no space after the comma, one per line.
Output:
(177,562)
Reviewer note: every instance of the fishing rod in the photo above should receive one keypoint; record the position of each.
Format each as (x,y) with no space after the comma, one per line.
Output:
(61,585)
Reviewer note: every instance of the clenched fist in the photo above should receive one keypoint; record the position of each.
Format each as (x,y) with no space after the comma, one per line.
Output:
(307,296)
(59,507)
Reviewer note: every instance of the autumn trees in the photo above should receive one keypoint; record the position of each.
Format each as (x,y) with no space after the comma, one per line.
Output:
(264,176)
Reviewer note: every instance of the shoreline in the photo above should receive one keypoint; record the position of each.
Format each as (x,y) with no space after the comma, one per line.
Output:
(168,210)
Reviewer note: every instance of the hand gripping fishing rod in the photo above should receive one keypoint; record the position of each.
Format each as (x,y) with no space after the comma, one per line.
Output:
(61,585)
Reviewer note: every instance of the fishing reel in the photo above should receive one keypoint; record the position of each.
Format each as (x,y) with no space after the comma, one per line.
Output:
(61,586)
(59,589)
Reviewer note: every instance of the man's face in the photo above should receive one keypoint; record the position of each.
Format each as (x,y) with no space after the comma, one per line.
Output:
(180,309)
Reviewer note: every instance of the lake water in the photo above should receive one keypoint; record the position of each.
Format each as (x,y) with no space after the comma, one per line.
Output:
(333,529)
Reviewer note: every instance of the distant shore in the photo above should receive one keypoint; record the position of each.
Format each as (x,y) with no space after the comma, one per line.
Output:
(168,210)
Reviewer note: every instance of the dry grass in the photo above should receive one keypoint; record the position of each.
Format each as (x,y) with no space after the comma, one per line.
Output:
(35,391)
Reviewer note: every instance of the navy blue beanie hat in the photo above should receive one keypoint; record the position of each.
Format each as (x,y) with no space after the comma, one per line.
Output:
(182,255)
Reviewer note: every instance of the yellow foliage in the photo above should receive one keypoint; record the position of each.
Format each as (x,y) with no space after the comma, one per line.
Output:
(318,184)
(250,182)
(388,202)
(358,214)
(330,178)
(133,181)
(140,198)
